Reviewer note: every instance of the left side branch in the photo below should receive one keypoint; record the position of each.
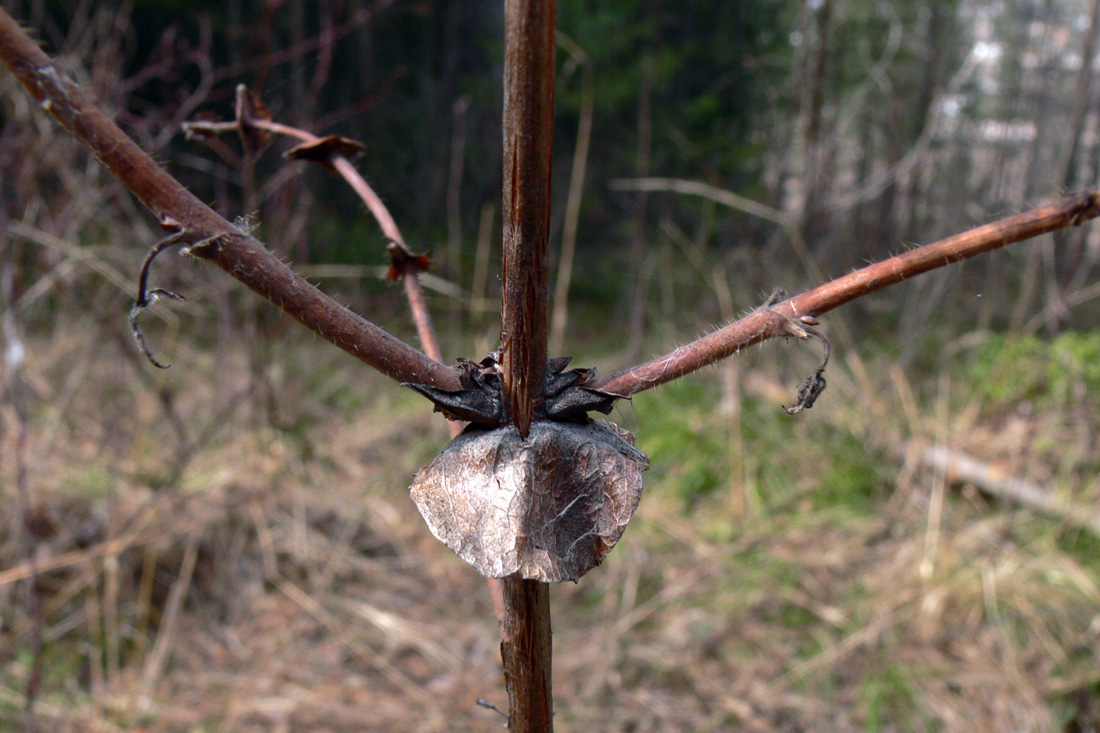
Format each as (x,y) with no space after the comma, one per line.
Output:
(182,214)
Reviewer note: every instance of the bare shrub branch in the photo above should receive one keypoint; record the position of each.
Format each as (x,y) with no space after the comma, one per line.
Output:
(333,154)
(771,321)
(179,211)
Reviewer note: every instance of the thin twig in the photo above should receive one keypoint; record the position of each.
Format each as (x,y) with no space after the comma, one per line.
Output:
(104,549)
(158,657)
(765,323)
(726,198)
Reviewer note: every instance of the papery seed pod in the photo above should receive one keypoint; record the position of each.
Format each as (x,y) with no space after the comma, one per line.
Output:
(549,507)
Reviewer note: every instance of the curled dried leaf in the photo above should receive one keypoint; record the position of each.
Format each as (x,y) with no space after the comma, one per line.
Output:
(566,394)
(481,399)
(549,507)
(814,385)
(402,258)
(323,150)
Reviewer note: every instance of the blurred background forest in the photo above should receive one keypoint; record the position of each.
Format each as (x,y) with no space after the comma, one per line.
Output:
(229,545)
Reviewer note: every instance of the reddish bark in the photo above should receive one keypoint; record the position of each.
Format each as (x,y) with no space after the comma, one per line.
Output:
(223,244)
(528,120)
(765,323)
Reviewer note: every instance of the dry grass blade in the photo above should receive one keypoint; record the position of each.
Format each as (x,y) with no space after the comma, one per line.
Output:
(850,643)
(84,255)
(166,638)
(105,549)
(399,678)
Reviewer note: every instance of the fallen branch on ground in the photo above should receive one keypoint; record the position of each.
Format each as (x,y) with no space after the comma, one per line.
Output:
(987,478)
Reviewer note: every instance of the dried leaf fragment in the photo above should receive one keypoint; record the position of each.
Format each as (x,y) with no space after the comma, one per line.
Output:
(402,258)
(550,507)
(323,150)
(250,108)
(566,394)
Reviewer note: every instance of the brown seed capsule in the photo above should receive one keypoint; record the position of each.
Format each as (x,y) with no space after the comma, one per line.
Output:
(550,507)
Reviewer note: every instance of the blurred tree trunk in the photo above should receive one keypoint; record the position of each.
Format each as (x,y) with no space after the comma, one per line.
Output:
(1071,246)
(785,125)
(1041,173)
(638,228)
(932,59)
(1081,94)
(814,185)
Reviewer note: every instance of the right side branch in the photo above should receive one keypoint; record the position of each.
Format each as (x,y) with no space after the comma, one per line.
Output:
(773,320)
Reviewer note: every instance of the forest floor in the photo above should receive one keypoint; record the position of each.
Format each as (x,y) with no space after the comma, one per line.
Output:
(223,547)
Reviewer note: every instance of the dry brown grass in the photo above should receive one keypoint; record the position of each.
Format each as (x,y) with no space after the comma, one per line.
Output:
(283,581)
(229,545)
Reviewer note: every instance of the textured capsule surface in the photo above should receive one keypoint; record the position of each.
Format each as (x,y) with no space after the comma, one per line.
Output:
(549,507)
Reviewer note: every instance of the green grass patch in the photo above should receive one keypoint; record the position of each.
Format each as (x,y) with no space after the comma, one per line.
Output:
(1011,369)
(685,437)
(890,702)
(855,475)
(1082,546)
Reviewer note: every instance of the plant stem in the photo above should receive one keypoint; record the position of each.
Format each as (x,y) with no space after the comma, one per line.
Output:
(765,323)
(528,120)
(526,654)
(178,210)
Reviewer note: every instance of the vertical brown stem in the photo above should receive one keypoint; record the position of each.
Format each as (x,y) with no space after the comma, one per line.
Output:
(528,120)
(526,654)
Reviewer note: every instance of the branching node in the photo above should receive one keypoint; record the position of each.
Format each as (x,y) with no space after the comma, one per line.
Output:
(814,384)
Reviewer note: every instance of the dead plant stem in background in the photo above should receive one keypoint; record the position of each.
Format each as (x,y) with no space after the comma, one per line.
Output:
(16,393)
(405,264)
(573,203)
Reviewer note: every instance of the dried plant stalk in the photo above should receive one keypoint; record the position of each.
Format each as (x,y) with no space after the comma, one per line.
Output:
(774,320)
(223,244)
(528,121)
